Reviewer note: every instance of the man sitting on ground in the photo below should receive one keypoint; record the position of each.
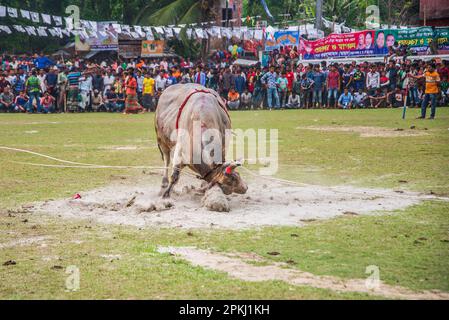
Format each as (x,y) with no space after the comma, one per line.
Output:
(233,99)
(293,101)
(7,100)
(360,99)
(48,102)
(246,100)
(345,100)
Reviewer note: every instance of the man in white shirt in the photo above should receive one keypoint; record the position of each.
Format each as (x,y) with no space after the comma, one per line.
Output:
(246,99)
(108,81)
(293,101)
(360,99)
(372,80)
(85,91)
(161,82)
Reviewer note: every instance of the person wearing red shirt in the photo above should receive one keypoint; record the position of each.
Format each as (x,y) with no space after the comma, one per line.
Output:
(333,83)
(290,78)
(131,103)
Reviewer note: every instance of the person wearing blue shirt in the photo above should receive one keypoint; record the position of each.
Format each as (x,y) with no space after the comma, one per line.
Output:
(318,85)
(200,77)
(345,100)
(270,80)
(43,62)
(239,83)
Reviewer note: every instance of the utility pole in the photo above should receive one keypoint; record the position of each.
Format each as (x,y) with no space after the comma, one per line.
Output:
(319,14)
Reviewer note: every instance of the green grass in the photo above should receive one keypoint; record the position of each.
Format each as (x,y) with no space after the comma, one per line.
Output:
(411,247)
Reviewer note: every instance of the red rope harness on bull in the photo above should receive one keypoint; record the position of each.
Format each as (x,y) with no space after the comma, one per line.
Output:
(223,106)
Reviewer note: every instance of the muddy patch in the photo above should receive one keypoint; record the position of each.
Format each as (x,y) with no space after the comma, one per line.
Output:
(267,203)
(369,132)
(239,269)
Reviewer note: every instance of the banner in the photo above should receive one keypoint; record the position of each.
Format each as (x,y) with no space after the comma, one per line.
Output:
(339,45)
(106,38)
(417,39)
(282,38)
(152,47)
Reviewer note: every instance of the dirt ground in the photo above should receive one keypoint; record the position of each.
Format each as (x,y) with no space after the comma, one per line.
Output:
(267,203)
(369,132)
(239,266)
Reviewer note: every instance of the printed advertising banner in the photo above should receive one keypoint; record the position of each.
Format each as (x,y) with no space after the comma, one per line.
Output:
(282,38)
(418,39)
(152,47)
(370,42)
(106,39)
(339,45)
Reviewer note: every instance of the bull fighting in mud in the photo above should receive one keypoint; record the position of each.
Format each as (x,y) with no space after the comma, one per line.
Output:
(180,108)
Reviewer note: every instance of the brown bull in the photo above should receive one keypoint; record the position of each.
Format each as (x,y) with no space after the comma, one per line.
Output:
(181,109)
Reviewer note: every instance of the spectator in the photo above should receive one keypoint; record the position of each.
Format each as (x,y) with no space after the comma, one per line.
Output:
(246,100)
(345,100)
(7,100)
(432,88)
(233,99)
(293,101)
(270,80)
(48,103)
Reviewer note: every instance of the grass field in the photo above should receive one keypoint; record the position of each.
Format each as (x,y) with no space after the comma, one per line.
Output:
(411,247)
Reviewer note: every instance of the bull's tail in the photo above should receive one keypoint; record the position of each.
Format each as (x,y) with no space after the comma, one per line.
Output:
(160,150)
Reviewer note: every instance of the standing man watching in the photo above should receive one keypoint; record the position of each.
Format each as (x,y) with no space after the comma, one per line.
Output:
(270,79)
(431,92)
(33,87)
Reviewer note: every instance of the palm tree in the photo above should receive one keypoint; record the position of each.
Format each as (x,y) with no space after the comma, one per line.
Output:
(176,12)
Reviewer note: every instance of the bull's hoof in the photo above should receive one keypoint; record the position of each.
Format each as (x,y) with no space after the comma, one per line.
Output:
(166,194)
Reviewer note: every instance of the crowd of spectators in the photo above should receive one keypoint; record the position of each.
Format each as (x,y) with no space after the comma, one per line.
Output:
(39,84)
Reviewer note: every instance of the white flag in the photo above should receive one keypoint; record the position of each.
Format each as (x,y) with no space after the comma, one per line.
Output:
(12,12)
(69,23)
(30,30)
(177,31)
(258,34)
(41,31)
(64,32)
(25,14)
(199,33)
(93,26)
(46,18)
(168,32)
(159,30)
(19,28)
(52,32)
(117,27)
(35,17)
(6,29)
(57,20)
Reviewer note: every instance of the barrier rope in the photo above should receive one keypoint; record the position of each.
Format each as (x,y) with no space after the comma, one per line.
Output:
(72,164)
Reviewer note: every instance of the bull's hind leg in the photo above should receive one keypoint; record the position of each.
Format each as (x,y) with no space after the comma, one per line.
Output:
(177,167)
(165,152)
(174,179)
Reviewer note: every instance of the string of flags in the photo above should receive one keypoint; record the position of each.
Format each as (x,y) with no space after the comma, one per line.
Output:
(57,26)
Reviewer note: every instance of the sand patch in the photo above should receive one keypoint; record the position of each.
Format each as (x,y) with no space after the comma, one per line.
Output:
(267,203)
(369,132)
(22,242)
(119,148)
(236,268)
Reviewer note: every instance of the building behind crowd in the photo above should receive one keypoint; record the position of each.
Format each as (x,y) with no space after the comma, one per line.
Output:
(434,12)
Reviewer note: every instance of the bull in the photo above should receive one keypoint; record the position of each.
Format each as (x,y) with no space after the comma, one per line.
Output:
(179,108)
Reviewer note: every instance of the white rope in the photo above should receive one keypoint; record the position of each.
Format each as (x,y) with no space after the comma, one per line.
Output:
(95,166)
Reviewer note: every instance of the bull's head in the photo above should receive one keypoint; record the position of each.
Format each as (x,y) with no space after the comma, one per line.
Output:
(229,179)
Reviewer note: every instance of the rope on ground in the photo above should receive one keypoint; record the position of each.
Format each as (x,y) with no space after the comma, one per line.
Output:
(73,164)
